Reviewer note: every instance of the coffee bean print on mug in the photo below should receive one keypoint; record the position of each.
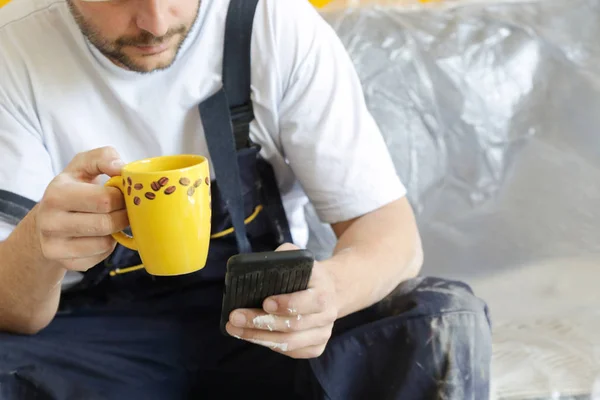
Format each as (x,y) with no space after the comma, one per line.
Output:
(184,181)
(161,187)
(163,181)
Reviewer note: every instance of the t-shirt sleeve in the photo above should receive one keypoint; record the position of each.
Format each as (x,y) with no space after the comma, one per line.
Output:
(328,136)
(26,168)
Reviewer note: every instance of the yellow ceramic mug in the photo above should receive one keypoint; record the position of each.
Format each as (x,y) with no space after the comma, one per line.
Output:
(320,3)
(168,205)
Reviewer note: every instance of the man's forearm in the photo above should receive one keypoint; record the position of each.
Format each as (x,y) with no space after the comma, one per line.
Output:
(29,285)
(374,254)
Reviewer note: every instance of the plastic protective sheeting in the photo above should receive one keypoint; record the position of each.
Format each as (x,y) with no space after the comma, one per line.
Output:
(492,115)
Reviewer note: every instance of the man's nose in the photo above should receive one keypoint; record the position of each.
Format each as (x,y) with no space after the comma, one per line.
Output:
(152,16)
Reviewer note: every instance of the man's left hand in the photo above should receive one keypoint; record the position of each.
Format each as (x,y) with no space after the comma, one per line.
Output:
(299,324)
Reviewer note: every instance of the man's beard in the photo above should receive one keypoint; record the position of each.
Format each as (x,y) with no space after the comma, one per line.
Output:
(114,49)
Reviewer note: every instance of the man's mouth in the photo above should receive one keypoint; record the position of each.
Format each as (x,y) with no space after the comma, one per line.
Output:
(152,49)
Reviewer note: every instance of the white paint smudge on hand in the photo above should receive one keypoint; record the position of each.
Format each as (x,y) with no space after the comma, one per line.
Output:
(272,345)
(264,321)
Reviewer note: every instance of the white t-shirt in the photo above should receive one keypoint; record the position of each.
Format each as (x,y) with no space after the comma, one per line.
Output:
(60,96)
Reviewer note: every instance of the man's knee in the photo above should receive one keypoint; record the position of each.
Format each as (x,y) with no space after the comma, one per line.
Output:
(429,297)
(447,314)
(452,330)
(431,338)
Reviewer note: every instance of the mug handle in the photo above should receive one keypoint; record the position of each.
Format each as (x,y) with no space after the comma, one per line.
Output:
(121,237)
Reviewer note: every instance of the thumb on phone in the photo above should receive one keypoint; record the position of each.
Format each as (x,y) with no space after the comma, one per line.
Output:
(287,247)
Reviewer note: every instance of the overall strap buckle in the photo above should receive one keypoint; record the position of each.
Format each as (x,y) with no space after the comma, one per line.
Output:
(241,117)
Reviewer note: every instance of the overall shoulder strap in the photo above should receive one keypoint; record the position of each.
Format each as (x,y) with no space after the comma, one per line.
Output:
(237,67)
(227,114)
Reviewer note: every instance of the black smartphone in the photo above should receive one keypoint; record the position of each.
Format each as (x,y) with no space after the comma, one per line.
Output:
(251,278)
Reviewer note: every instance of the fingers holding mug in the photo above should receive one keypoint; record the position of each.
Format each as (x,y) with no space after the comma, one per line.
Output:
(120,183)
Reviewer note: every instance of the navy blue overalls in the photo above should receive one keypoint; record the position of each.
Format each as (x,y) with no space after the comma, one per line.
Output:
(134,336)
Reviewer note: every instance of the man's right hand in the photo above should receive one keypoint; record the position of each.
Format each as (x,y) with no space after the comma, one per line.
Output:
(76,216)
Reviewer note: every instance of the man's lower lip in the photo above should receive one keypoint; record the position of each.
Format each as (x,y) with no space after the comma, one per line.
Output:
(153,49)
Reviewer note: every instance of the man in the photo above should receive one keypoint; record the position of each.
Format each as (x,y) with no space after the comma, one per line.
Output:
(86,86)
